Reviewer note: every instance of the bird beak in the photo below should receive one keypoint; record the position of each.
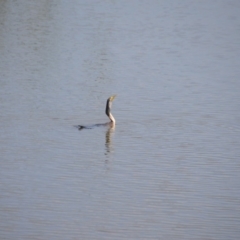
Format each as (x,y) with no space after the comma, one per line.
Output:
(113,97)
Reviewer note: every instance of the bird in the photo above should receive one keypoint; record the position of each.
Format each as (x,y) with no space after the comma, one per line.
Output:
(112,122)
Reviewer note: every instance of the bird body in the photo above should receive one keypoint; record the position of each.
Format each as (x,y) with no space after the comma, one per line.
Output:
(108,113)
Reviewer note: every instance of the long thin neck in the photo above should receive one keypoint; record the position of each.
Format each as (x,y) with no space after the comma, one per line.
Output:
(108,111)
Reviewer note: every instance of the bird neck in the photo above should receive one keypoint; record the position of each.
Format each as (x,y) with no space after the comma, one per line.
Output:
(112,118)
(108,112)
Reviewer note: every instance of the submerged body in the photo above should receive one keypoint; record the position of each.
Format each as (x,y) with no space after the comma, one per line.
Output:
(108,113)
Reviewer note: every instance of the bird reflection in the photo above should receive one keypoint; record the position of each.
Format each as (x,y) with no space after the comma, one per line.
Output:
(108,142)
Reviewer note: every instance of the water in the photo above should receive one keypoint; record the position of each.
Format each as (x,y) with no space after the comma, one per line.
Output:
(170,168)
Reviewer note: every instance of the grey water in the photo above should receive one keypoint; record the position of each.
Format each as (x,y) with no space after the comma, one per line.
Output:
(170,169)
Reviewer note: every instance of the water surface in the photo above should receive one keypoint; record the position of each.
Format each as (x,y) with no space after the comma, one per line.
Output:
(169,169)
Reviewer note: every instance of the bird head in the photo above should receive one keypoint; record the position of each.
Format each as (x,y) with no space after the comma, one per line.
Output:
(112,98)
